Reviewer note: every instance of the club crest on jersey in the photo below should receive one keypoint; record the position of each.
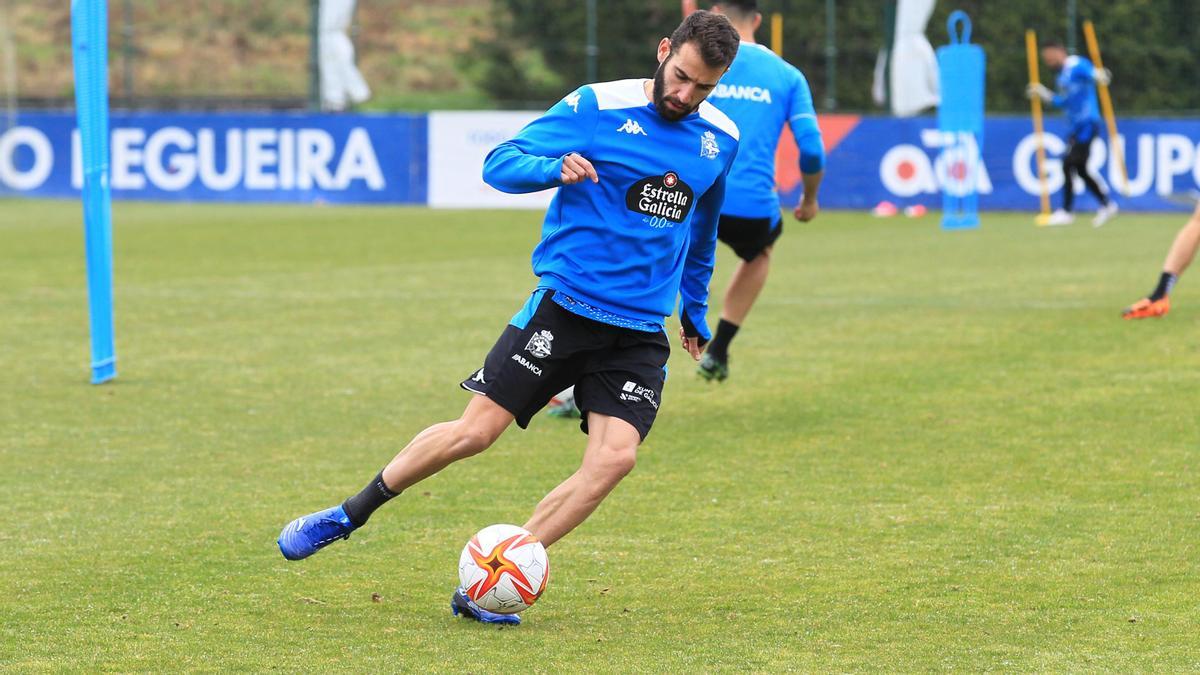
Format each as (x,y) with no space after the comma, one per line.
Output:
(664,198)
(708,145)
(539,344)
(573,101)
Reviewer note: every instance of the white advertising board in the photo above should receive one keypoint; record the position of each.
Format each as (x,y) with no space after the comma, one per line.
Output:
(458,143)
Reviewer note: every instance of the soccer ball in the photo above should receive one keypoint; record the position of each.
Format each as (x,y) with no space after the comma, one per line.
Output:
(504,569)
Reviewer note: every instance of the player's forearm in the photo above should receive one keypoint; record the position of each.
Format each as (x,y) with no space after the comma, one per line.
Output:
(509,169)
(812,184)
(1183,250)
(693,288)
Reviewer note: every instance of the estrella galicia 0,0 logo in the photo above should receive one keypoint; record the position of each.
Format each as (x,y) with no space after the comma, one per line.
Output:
(665,196)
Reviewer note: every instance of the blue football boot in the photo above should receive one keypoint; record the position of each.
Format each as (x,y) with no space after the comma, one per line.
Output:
(461,605)
(306,535)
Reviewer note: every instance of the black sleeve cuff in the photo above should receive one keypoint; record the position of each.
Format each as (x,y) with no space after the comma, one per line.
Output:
(689,328)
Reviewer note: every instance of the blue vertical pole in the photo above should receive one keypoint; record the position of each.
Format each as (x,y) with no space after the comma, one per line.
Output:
(89,38)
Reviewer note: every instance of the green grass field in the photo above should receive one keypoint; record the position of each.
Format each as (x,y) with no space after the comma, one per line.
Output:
(938,451)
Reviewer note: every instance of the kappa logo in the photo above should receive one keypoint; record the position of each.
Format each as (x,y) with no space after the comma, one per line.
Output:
(539,344)
(708,145)
(478,377)
(573,101)
(631,127)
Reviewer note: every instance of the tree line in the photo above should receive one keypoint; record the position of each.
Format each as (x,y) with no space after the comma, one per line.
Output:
(539,49)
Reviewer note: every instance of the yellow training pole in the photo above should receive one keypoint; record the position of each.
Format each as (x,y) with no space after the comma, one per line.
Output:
(1035,103)
(777,33)
(1106,107)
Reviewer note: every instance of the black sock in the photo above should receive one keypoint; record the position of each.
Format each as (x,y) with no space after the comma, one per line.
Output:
(360,507)
(719,347)
(1165,283)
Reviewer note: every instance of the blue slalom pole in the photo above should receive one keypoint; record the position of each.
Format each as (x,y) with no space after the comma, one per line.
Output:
(89,41)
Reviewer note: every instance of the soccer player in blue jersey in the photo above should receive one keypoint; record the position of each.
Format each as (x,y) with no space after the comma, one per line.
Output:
(639,167)
(761,93)
(1077,79)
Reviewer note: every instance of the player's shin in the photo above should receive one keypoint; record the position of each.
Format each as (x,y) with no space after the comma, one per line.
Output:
(605,463)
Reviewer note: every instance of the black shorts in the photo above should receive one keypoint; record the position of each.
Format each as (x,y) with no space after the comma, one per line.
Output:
(748,237)
(1078,151)
(1077,154)
(616,371)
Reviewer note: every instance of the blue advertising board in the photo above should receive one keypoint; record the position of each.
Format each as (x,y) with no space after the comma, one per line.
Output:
(909,161)
(304,158)
(227,157)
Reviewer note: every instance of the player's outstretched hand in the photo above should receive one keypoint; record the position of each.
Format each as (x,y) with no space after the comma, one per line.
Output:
(806,210)
(576,169)
(1103,76)
(693,345)
(1039,90)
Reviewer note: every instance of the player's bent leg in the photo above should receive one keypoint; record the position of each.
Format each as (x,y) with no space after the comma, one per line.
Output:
(1179,257)
(440,445)
(611,454)
(431,451)
(744,288)
(1183,248)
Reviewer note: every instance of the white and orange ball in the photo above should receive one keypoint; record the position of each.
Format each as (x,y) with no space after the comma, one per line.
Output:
(504,569)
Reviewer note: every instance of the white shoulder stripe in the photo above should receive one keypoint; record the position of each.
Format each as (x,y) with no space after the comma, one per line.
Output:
(620,94)
(709,113)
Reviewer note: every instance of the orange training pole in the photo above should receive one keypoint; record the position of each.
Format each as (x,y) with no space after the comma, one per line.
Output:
(1031,54)
(1106,107)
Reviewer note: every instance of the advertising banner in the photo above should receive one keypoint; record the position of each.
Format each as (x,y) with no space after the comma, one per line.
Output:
(437,159)
(458,144)
(908,161)
(226,157)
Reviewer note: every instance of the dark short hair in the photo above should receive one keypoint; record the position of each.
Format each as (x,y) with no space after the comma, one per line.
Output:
(1053,43)
(713,35)
(744,7)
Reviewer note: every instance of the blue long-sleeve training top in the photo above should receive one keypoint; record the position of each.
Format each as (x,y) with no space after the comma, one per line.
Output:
(761,93)
(1077,95)
(646,234)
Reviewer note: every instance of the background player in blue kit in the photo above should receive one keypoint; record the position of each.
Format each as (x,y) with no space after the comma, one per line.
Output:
(640,167)
(761,93)
(1076,83)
